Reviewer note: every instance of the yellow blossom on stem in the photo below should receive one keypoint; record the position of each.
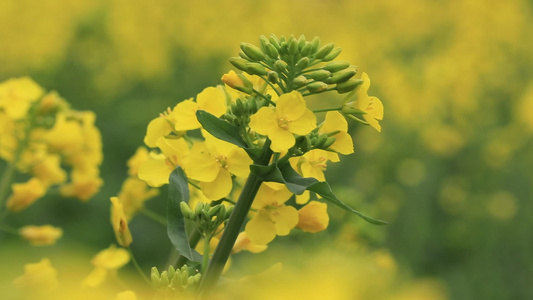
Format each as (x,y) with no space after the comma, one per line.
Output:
(313,217)
(83,186)
(17,95)
(358,101)
(244,242)
(140,156)
(49,171)
(66,135)
(335,122)
(120,223)
(273,217)
(41,235)
(211,99)
(212,163)
(156,170)
(314,163)
(38,277)
(24,194)
(289,117)
(106,262)
(159,127)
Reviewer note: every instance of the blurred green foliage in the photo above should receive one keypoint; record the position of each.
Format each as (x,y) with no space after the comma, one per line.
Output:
(451,169)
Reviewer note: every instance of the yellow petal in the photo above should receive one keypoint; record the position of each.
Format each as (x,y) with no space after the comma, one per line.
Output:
(313,217)
(290,106)
(217,146)
(200,165)
(218,188)
(264,121)
(155,171)
(309,170)
(377,108)
(286,218)
(95,278)
(157,128)
(261,229)
(119,223)
(266,195)
(303,198)
(174,149)
(303,125)
(372,122)
(238,163)
(38,277)
(281,139)
(111,258)
(185,115)
(41,235)
(334,121)
(343,143)
(212,100)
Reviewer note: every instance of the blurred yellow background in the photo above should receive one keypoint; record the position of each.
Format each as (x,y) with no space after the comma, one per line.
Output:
(451,169)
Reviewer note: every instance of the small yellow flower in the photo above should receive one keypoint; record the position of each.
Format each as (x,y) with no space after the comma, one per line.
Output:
(83,186)
(233,80)
(212,163)
(66,135)
(120,223)
(211,99)
(313,217)
(140,156)
(359,100)
(17,95)
(156,170)
(24,194)
(49,171)
(272,217)
(39,277)
(289,117)
(41,235)
(335,122)
(314,163)
(106,262)
(244,242)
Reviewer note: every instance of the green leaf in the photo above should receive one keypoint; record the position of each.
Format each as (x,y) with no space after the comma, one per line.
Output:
(179,191)
(324,190)
(298,184)
(220,129)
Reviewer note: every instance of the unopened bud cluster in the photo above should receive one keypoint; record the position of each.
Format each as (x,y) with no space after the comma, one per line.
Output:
(297,64)
(207,218)
(174,280)
(241,110)
(314,140)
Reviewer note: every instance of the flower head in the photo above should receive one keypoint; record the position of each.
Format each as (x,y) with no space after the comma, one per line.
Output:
(371,107)
(41,235)
(289,117)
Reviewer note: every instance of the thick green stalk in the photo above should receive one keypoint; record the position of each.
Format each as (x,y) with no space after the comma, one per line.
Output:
(242,207)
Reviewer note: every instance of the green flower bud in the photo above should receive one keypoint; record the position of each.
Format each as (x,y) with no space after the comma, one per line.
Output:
(306,144)
(325,50)
(164,279)
(221,215)
(303,63)
(273,77)
(171,271)
(264,42)
(244,56)
(293,47)
(317,87)
(229,211)
(238,108)
(315,43)
(214,210)
(186,210)
(348,86)
(176,281)
(320,141)
(306,50)
(301,42)
(205,216)
(255,69)
(198,209)
(336,66)
(251,107)
(238,63)
(252,51)
(274,41)
(299,81)
(155,277)
(185,275)
(329,141)
(298,152)
(190,281)
(271,51)
(333,54)
(280,66)
(320,75)
(342,76)
(197,277)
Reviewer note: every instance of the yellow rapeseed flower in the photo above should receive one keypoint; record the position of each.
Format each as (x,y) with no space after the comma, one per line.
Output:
(41,235)
(17,95)
(211,99)
(106,262)
(335,122)
(314,163)
(156,170)
(289,117)
(120,223)
(133,194)
(38,277)
(24,194)
(360,101)
(313,217)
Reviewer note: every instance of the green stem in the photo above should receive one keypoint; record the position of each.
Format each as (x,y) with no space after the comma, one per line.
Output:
(237,218)
(205,257)
(10,230)
(137,267)
(154,216)
(327,109)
